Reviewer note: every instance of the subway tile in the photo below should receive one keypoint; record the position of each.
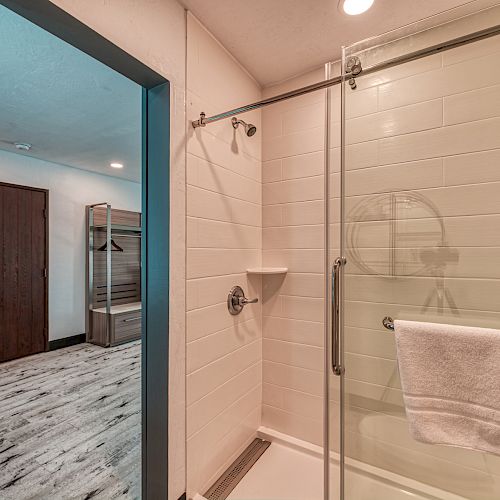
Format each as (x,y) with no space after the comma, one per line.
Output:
(473,105)
(472,168)
(215,234)
(306,165)
(294,425)
(204,262)
(209,348)
(451,140)
(210,205)
(297,261)
(293,377)
(292,330)
(271,171)
(293,237)
(399,177)
(298,143)
(291,401)
(301,213)
(208,176)
(299,355)
(304,118)
(213,375)
(290,191)
(204,410)
(422,116)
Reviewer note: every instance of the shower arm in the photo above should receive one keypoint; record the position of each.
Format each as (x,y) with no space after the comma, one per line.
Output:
(353,68)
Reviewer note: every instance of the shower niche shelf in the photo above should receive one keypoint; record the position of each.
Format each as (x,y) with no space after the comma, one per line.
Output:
(267,270)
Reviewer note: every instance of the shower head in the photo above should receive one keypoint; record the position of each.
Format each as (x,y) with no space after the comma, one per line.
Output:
(250,129)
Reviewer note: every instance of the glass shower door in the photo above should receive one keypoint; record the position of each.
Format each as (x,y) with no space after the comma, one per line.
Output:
(420,235)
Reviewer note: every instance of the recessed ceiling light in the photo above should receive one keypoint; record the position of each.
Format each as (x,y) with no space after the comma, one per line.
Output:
(116,165)
(355,7)
(23,146)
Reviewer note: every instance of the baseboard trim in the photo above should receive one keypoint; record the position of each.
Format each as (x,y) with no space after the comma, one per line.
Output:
(66,341)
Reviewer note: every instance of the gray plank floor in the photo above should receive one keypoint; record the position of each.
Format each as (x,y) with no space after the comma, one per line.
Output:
(70,424)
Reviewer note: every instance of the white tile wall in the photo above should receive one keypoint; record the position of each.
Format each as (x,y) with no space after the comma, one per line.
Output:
(224,238)
(293,236)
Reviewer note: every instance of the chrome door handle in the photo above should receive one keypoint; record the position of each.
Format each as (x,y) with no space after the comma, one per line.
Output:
(336,277)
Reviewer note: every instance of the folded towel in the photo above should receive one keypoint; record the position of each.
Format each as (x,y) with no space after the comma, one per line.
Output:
(450,377)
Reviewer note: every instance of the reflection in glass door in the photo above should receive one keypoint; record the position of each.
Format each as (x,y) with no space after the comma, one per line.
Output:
(420,237)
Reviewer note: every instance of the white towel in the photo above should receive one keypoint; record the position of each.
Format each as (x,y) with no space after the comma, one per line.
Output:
(450,377)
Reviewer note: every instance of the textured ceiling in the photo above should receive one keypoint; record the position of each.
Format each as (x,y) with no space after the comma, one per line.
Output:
(73,110)
(277,39)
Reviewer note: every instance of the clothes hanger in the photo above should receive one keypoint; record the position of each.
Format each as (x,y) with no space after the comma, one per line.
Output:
(114,247)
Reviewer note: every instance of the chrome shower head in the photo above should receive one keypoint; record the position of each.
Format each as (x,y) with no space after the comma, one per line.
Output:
(250,129)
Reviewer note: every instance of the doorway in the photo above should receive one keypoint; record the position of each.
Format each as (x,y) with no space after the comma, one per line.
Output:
(24,261)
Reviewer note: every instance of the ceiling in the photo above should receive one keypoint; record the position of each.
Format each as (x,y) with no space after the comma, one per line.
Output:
(74,110)
(277,39)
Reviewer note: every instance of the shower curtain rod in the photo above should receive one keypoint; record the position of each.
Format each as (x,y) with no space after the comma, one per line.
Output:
(418,54)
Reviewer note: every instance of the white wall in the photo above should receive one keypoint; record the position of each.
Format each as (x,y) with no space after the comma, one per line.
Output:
(154,31)
(224,214)
(70,189)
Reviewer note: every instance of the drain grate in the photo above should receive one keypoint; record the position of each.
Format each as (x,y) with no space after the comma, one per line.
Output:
(237,470)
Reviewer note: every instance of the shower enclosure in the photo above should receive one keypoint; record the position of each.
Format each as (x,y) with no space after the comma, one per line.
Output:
(417,214)
(380,201)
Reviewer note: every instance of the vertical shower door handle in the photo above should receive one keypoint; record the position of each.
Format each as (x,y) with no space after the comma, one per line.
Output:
(336,277)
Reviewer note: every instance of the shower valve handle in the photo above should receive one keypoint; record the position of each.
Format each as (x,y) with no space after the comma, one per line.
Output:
(244,301)
(236,300)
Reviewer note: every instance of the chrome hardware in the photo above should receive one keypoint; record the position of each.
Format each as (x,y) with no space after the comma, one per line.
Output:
(388,323)
(336,288)
(353,66)
(236,300)
(201,122)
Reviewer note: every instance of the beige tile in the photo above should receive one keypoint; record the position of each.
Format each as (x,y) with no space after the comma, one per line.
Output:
(210,205)
(422,116)
(203,262)
(304,118)
(309,212)
(293,237)
(303,284)
(213,375)
(472,168)
(298,143)
(473,105)
(288,353)
(291,401)
(297,261)
(306,165)
(370,343)
(293,330)
(272,215)
(211,347)
(294,425)
(204,410)
(271,171)
(290,191)
(215,234)
(399,177)
(293,377)
(371,369)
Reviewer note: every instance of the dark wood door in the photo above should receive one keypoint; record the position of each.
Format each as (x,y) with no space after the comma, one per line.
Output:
(23,260)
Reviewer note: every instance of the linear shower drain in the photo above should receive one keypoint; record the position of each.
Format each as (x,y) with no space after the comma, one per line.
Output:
(237,470)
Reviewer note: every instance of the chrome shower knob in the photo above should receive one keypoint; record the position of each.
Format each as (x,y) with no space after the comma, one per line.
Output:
(236,300)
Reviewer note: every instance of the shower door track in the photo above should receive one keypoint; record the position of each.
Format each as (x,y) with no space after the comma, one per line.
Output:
(411,56)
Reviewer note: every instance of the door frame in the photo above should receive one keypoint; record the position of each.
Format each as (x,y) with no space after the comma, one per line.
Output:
(156,226)
(45,192)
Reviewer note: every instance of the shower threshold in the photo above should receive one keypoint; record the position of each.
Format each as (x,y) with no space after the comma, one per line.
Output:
(293,470)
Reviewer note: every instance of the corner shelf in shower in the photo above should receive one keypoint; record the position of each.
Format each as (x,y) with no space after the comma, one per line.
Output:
(267,270)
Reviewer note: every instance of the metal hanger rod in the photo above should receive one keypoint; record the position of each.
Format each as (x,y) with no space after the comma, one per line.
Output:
(434,49)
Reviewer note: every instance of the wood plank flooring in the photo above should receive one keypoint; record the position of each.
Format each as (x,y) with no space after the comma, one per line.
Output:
(70,424)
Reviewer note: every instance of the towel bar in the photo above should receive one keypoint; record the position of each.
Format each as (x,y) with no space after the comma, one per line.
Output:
(388,322)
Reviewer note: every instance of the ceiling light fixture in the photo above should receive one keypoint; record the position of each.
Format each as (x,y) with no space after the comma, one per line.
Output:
(116,165)
(355,7)
(22,146)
